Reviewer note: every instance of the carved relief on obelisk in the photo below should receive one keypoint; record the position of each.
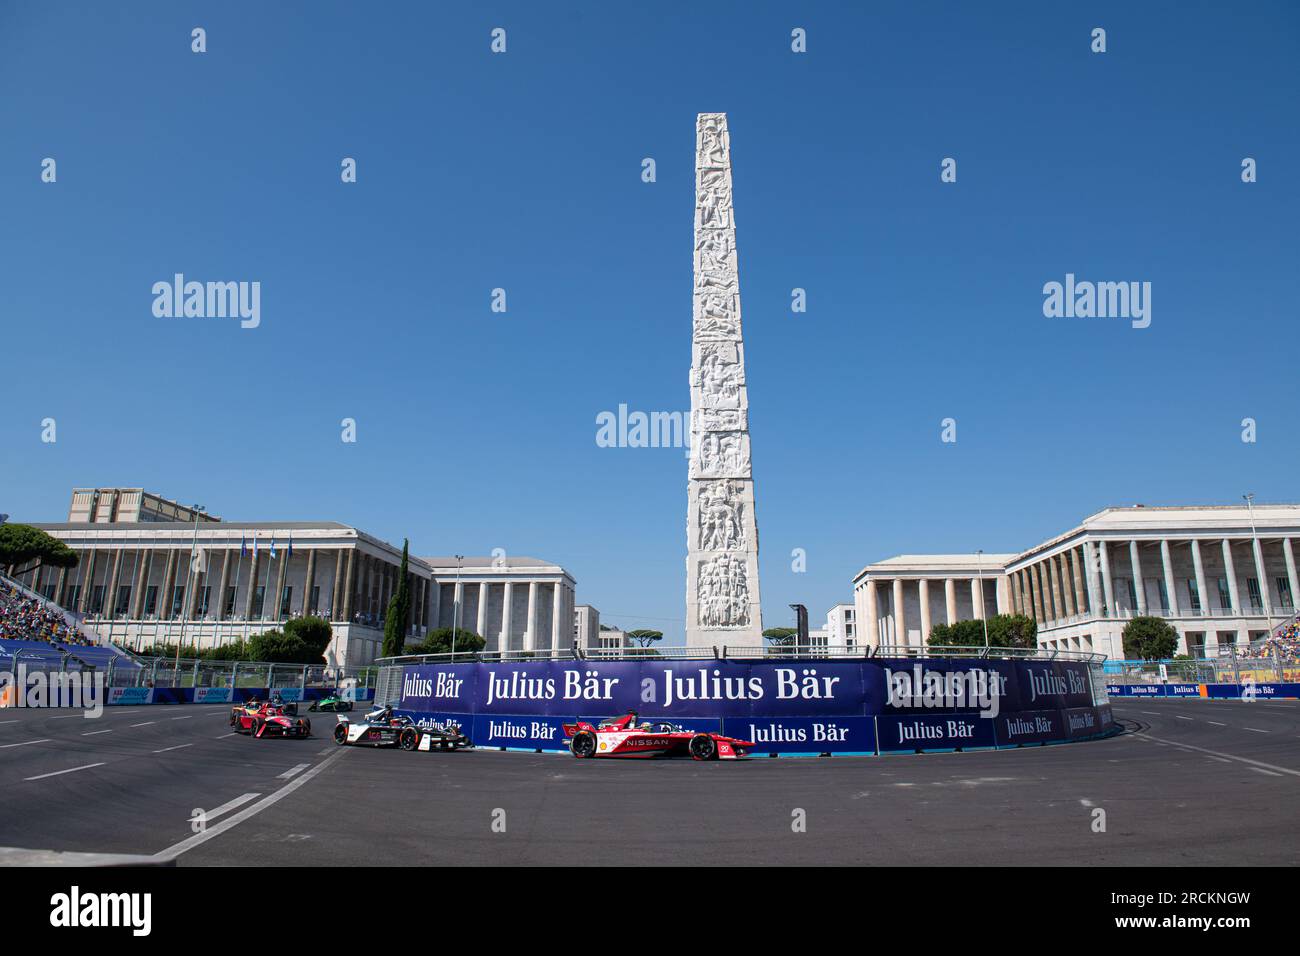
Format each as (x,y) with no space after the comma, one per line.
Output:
(722,597)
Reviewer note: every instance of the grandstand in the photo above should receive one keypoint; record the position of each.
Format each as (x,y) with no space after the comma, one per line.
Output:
(36,631)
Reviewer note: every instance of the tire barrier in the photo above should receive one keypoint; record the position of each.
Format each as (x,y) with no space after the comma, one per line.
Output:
(873,706)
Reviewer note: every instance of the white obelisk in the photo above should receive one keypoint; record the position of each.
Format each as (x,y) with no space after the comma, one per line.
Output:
(722,598)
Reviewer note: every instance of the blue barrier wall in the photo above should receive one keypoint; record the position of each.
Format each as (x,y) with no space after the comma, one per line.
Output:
(1263,691)
(804,706)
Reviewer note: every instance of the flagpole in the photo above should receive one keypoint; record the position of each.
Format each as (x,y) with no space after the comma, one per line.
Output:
(185,607)
(239,568)
(266,588)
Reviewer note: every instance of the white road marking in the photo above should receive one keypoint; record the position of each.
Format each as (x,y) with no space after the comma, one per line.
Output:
(177,747)
(1152,713)
(1256,730)
(43,740)
(1218,723)
(1181,717)
(144,723)
(186,717)
(1271,773)
(1085,801)
(10,721)
(233,804)
(1220,759)
(91,733)
(224,736)
(172,852)
(66,716)
(292,771)
(1245,760)
(42,776)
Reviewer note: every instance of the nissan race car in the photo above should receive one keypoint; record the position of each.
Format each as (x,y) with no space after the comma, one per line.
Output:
(381,728)
(254,706)
(269,720)
(331,704)
(624,737)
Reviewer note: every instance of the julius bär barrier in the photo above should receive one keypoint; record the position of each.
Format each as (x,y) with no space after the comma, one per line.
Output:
(878,705)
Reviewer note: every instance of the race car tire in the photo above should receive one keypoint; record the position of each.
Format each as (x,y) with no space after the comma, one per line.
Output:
(702,747)
(340,734)
(255,728)
(306,727)
(583,744)
(408,739)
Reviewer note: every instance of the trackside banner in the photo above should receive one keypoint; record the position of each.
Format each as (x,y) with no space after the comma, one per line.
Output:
(783,707)
(742,689)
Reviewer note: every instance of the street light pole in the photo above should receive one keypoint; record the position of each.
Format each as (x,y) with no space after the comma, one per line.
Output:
(185,608)
(979,563)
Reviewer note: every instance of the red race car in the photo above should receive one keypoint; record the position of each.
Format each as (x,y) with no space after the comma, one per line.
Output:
(268,720)
(624,737)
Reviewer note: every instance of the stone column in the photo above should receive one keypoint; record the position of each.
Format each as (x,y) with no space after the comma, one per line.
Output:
(225,583)
(336,587)
(873,615)
(530,636)
(433,608)
(165,601)
(950,601)
(560,628)
(482,614)
(63,577)
(1231,570)
(1017,596)
(1108,588)
(1260,575)
(923,589)
(1002,594)
(83,599)
(1090,577)
(900,614)
(308,582)
(1139,586)
(458,606)
(281,576)
(1080,589)
(1201,591)
(251,593)
(507,615)
(1171,586)
(349,576)
(1289,554)
(1041,601)
(1066,566)
(110,592)
(976,599)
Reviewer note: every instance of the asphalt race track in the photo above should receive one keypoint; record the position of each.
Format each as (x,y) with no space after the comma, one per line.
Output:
(1190,782)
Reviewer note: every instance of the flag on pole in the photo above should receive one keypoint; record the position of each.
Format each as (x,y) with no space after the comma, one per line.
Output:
(200,562)
(272,547)
(290,552)
(243,546)
(254,547)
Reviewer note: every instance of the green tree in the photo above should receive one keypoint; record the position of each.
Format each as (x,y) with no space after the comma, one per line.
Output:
(1013,630)
(644,637)
(21,544)
(1005,630)
(1149,639)
(314,632)
(277,647)
(438,641)
(782,638)
(398,621)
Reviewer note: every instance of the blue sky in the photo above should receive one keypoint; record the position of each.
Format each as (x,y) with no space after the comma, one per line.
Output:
(522,171)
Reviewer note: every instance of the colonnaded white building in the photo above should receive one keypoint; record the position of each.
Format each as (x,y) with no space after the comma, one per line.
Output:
(1220,574)
(135,583)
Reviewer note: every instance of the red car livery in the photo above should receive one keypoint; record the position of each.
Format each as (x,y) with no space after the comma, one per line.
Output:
(268,720)
(625,737)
